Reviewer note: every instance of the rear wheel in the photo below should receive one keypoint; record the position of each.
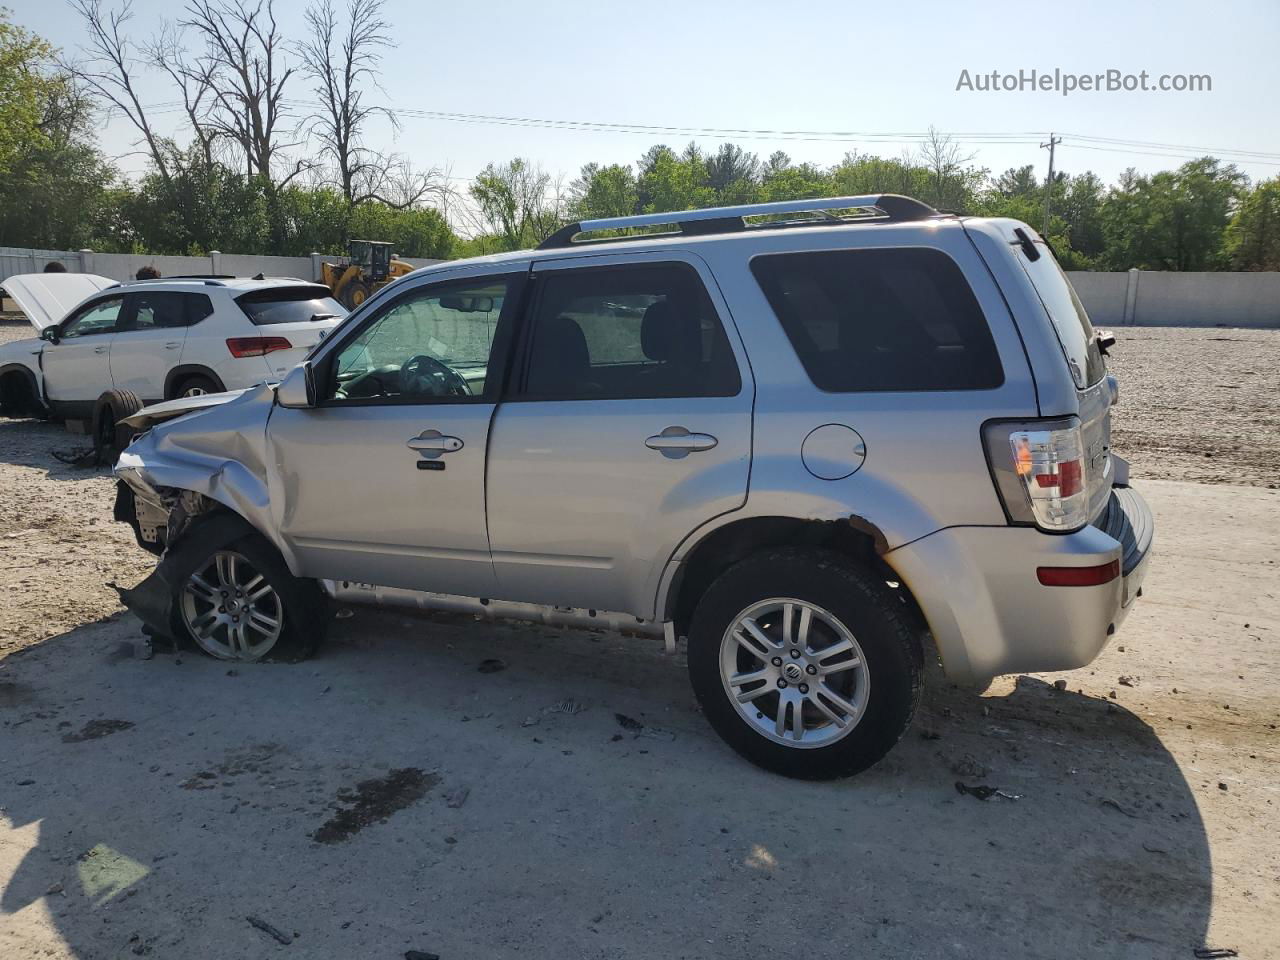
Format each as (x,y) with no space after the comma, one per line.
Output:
(805,664)
(240,602)
(196,386)
(109,436)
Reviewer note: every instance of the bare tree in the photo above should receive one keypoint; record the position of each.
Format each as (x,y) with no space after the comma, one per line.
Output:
(244,62)
(167,52)
(947,164)
(108,68)
(341,59)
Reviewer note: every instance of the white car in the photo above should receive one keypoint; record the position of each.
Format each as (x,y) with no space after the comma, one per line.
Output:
(106,347)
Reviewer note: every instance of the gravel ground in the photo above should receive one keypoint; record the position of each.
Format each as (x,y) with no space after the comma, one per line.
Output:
(388,797)
(1200,405)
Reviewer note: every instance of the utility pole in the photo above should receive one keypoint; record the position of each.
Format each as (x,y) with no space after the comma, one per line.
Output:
(1048,184)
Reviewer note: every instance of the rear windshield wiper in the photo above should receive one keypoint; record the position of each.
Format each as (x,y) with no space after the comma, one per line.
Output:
(324,316)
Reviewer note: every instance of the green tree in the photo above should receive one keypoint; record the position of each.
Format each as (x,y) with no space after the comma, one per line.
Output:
(604,192)
(1173,220)
(25,62)
(1253,236)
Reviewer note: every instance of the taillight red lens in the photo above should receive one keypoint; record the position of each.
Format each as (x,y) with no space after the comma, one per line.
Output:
(256,346)
(1078,576)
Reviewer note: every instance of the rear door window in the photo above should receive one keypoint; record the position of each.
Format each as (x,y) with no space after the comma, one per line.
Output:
(163,309)
(1070,320)
(290,305)
(631,332)
(900,319)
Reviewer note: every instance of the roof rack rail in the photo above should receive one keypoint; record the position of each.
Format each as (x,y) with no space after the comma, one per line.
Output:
(879,207)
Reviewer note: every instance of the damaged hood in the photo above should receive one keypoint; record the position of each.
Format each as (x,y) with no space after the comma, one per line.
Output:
(160,412)
(48,297)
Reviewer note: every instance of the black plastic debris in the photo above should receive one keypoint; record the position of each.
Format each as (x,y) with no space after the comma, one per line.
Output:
(628,723)
(1214,953)
(269,930)
(492,665)
(983,792)
(420,955)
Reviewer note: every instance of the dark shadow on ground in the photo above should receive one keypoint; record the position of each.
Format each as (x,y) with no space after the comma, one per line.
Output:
(175,797)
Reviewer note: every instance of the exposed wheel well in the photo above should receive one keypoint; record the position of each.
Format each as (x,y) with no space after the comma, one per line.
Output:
(854,538)
(18,392)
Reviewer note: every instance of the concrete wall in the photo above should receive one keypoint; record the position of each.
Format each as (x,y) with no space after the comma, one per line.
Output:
(1149,298)
(124,266)
(1135,298)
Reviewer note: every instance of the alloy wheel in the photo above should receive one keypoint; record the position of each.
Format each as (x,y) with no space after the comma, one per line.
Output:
(794,673)
(230,608)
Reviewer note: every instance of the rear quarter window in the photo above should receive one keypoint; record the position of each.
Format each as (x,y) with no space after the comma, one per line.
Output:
(1068,316)
(900,319)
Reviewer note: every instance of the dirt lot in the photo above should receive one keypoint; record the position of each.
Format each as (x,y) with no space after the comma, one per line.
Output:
(389,797)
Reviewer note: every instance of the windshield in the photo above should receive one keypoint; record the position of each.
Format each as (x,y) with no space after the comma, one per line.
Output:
(290,305)
(1070,321)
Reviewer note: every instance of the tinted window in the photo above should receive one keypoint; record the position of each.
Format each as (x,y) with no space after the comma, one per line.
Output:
(163,309)
(861,320)
(430,343)
(101,317)
(1070,321)
(290,305)
(628,332)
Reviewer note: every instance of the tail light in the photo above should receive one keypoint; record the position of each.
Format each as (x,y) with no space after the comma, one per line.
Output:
(256,346)
(1039,468)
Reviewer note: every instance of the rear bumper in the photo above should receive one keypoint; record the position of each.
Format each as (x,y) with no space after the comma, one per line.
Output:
(988,611)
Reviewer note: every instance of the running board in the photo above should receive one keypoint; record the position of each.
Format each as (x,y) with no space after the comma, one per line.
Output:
(349,591)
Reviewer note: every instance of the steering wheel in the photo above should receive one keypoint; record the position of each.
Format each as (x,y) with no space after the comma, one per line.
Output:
(422,374)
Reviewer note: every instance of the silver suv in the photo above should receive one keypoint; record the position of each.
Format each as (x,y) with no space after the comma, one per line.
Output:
(808,437)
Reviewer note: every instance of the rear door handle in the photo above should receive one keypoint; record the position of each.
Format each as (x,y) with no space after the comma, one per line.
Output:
(101,349)
(173,345)
(676,442)
(432,443)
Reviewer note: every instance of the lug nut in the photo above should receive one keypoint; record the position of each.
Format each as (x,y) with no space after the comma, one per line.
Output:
(782,684)
(811,670)
(777,661)
(222,609)
(804,688)
(795,654)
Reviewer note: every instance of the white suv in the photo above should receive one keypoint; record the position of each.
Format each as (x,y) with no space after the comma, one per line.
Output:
(123,345)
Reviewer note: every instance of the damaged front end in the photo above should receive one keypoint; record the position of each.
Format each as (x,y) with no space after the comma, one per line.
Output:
(199,476)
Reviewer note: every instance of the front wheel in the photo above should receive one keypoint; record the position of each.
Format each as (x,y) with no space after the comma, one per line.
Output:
(805,664)
(240,602)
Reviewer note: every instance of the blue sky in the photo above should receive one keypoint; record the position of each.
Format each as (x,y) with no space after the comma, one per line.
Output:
(878,68)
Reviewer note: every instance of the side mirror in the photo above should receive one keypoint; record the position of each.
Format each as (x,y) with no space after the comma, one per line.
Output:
(50,334)
(297,390)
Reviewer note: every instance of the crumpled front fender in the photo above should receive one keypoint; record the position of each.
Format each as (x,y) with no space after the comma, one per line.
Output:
(219,452)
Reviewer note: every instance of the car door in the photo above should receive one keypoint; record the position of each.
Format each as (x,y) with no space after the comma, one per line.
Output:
(382,481)
(148,343)
(630,425)
(77,365)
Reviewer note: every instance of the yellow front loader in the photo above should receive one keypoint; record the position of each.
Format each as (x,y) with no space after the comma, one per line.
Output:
(369,266)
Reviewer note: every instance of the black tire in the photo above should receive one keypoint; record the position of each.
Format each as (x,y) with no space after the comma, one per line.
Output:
(109,437)
(354,294)
(199,384)
(881,624)
(304,607)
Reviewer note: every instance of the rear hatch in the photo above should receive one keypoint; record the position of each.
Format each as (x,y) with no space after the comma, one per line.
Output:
(291,320)
(1084,359)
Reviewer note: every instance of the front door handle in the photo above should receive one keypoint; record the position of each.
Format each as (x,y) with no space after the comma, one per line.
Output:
(173,345)
(676,442)
(101,349)
(432,443)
